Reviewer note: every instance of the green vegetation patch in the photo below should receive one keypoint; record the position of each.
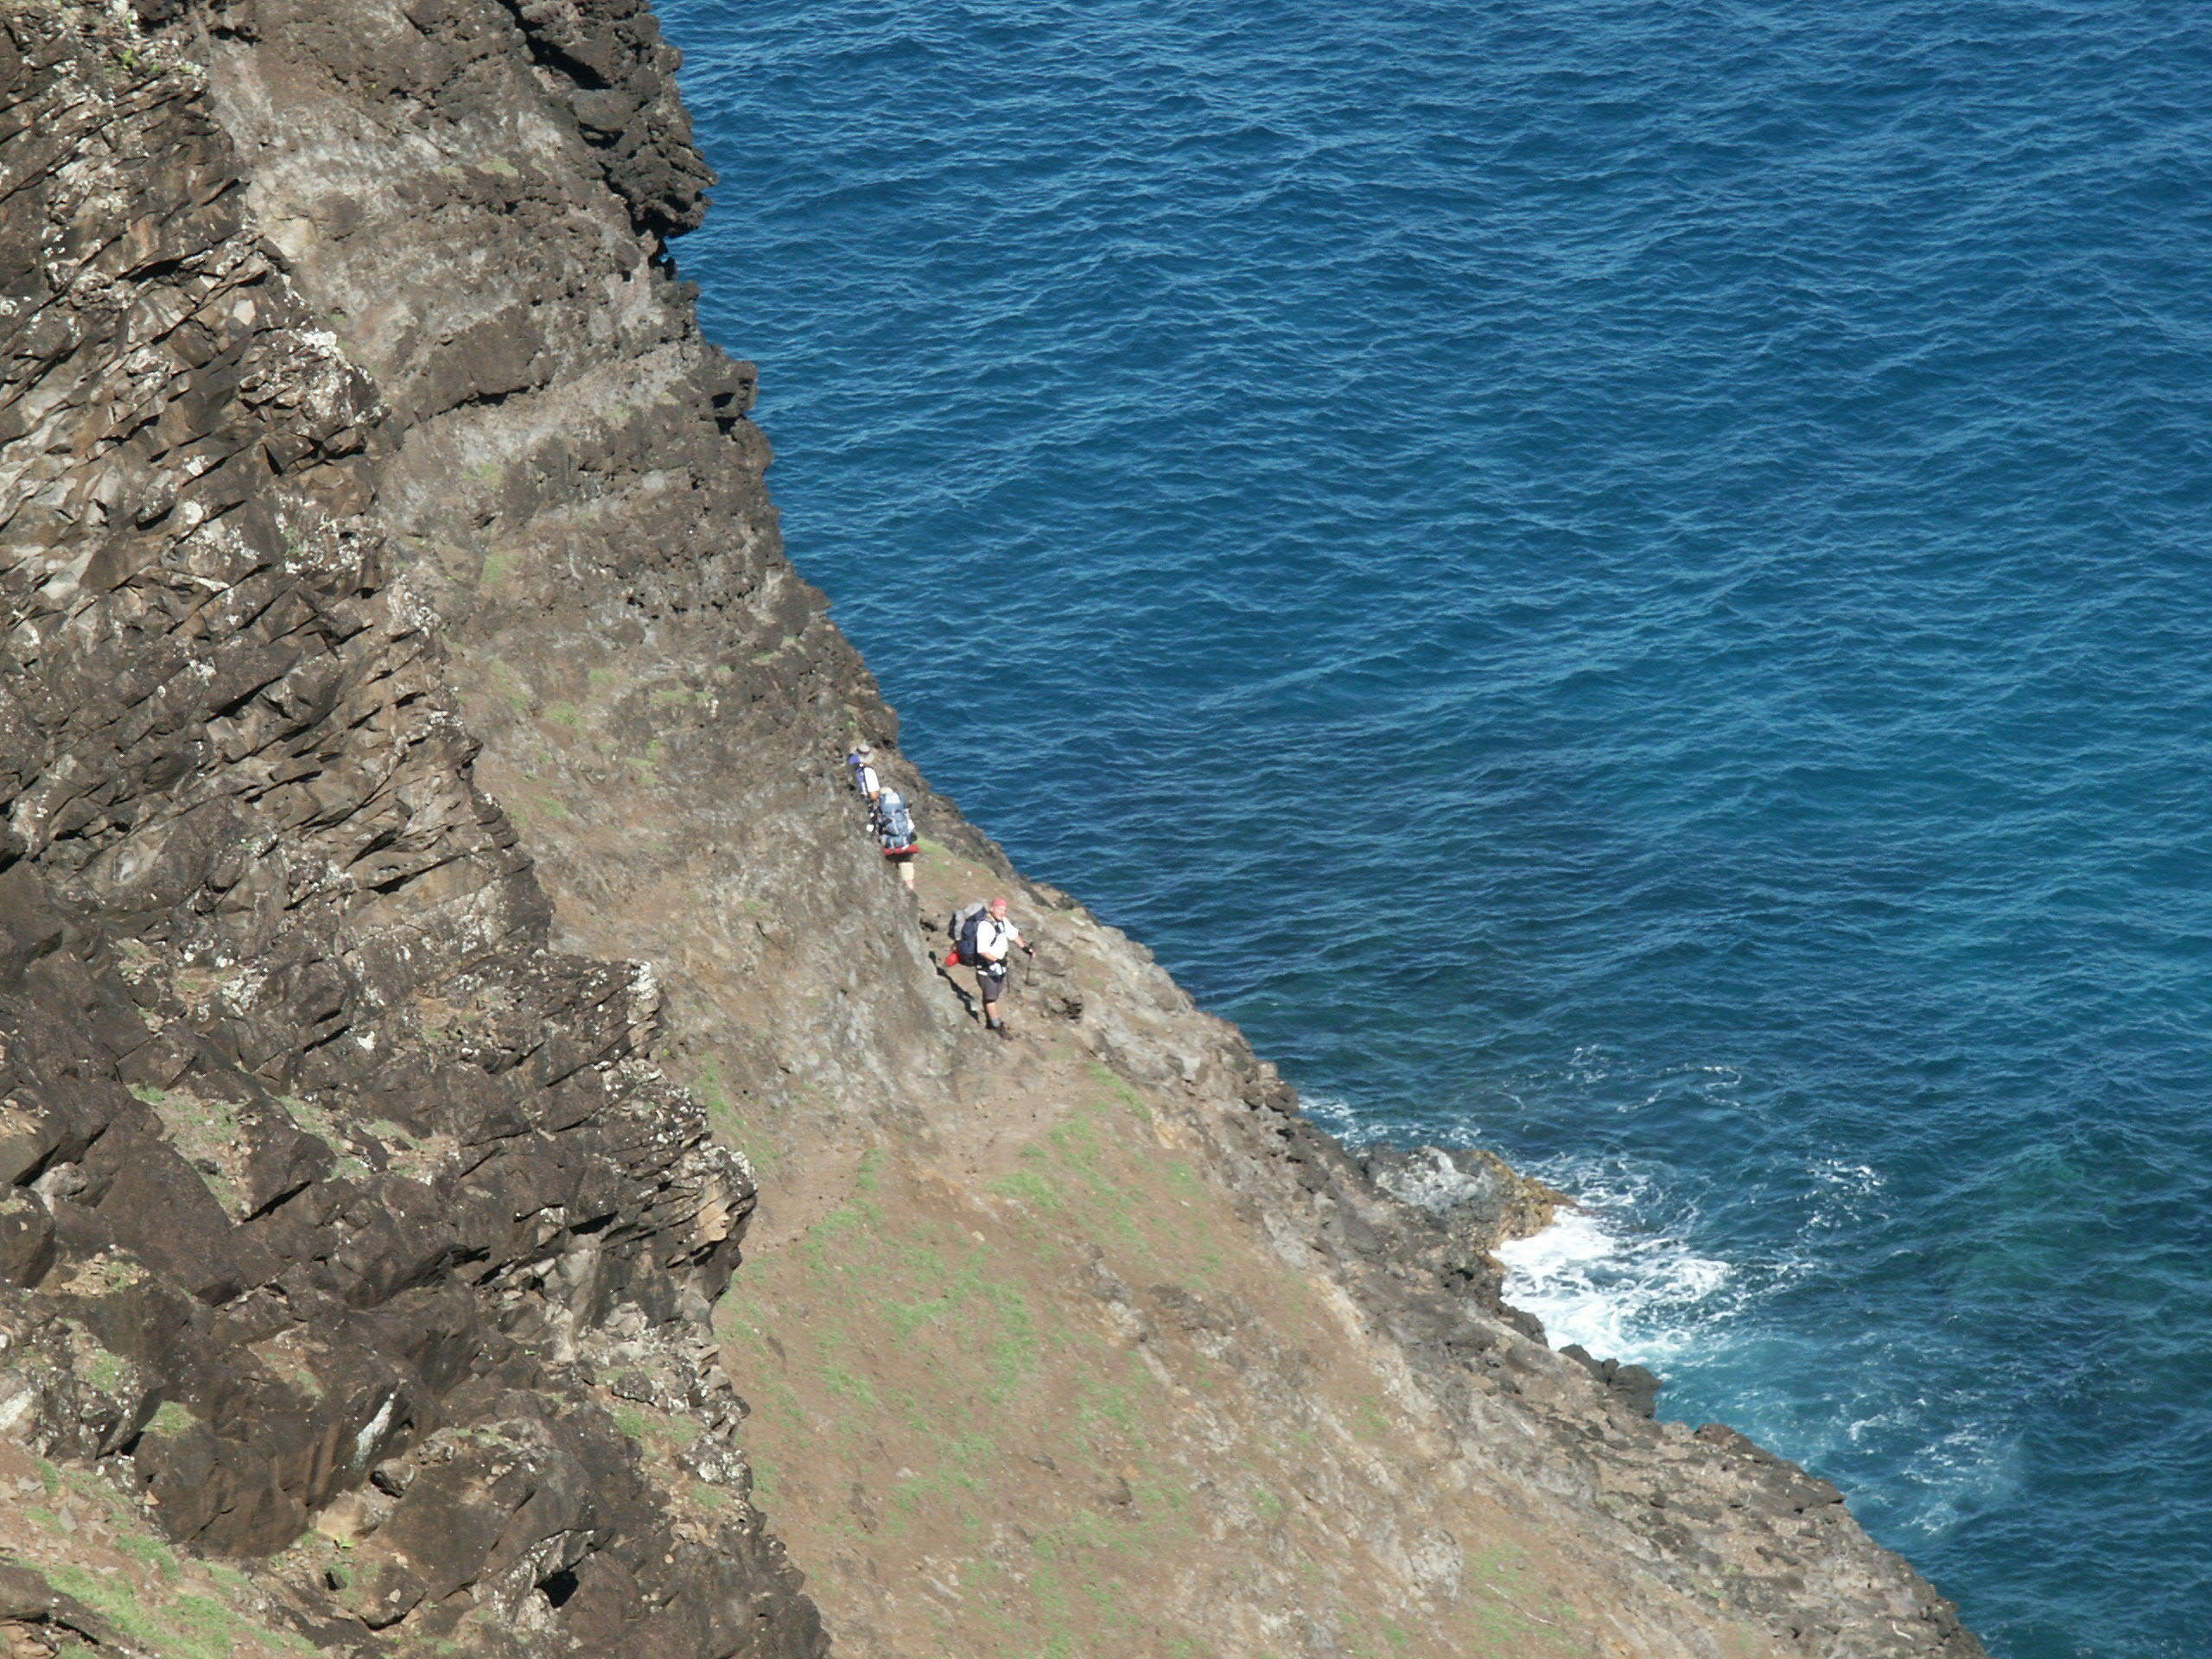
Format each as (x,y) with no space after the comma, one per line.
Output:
(897,1338)
(712,1497)
(1120,1089)
(170,1420)
(504,686)
(180,1610)
(1503,1606)
(318,1121)
(725,1123)
(207,1134)
(1028,1186)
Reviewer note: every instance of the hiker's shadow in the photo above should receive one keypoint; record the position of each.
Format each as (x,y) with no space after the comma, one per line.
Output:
(968,1002)
(968,998)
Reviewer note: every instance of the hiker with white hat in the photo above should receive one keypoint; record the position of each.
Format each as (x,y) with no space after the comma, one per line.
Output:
(866,778)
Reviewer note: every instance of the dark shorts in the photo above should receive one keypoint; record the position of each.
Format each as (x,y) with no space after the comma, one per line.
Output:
(989,985)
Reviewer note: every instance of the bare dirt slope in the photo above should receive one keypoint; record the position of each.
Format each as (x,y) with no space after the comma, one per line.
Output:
(1030,1381)
(1080,1364)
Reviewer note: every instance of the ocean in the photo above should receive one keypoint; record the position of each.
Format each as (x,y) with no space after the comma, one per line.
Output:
(1624,583)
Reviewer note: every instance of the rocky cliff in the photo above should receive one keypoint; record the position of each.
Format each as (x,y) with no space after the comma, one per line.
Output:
(429,893)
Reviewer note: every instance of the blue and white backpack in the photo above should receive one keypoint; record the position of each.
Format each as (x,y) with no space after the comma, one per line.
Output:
(894,825)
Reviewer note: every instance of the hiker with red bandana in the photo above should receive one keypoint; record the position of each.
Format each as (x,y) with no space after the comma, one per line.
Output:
(995,938)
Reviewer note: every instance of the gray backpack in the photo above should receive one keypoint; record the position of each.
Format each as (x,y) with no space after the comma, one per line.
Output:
(962,930)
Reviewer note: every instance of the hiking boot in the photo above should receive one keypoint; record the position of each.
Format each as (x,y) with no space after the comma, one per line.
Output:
(1006,1030)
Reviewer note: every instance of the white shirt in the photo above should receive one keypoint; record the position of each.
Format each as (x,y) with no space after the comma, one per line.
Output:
(869,782)
(992,935)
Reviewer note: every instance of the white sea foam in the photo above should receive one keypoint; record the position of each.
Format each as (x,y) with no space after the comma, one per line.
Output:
(1975,1468)
(1334,1114)
(1844,1192)
(1623,1291)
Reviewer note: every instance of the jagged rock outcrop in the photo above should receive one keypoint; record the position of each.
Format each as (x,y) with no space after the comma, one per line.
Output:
(335,1195)
(398,643)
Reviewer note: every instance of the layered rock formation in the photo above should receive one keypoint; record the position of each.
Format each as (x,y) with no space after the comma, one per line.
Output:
(400,657)
(341,1204)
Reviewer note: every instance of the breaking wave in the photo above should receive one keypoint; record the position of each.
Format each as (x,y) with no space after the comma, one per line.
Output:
(1602,1276)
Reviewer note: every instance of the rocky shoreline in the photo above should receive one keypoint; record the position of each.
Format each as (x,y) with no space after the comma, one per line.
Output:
(401,655)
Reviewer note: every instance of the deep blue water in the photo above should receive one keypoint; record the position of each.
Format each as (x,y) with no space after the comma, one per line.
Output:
(1626,579)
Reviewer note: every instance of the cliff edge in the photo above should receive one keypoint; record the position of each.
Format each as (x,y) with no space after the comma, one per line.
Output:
(435,927)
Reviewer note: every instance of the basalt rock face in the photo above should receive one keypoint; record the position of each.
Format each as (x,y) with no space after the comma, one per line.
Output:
(398,642)
(579,496)
(335,1196)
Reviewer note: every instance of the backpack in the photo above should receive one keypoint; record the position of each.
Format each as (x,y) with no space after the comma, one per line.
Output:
(894,825)
(962,930)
